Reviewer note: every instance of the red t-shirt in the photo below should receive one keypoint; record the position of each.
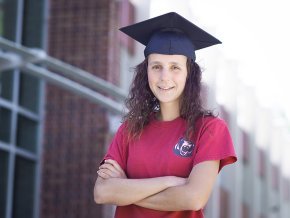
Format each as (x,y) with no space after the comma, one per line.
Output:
(162,151)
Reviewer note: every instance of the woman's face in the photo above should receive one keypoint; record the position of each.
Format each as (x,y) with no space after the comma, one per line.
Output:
(167,76)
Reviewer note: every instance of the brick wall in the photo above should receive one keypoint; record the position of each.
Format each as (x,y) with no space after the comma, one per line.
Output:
(75,129)
(224,203)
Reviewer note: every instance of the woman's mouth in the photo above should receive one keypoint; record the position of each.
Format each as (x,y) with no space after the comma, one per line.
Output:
(165,88)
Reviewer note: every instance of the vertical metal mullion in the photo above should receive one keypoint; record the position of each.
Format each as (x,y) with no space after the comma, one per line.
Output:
(13,135)
(11,163)
(13,140)
(39,144)
(40,129)
(15,99)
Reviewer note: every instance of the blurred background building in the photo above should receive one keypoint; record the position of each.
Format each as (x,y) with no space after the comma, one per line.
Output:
(56,120)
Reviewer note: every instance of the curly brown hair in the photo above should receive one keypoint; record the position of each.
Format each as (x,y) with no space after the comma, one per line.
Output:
(141,102)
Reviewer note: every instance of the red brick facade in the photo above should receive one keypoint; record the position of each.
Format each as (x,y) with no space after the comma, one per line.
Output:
(224,203)
(80,33)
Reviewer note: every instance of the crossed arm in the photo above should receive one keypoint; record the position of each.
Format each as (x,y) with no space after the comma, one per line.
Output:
(168,193)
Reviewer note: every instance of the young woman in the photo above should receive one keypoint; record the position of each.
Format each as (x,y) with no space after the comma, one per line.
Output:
(165,157)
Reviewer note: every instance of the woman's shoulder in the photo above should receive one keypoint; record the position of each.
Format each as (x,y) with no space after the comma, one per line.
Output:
(122,128)
(121,135)
(210,121)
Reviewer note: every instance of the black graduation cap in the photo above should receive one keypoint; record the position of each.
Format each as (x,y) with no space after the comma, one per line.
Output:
(170,34)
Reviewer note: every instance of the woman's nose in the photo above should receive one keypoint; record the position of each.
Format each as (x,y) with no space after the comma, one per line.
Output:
(165,74)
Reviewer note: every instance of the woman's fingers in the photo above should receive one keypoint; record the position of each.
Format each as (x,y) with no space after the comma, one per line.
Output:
(104,174)
(114,163)
(117,166)
(112,169)
(108,167)
(108,173)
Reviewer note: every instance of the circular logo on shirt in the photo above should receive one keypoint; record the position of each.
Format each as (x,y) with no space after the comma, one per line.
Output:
(183,148)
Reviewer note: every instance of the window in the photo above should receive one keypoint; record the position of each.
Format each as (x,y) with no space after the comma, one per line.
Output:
(23,188)
(20,113)
(286,189)
(5,125)
(245,141)
(275,176)
(3,181)
(6,85)
(28,92)
(26,133)
(1,17)
(262,163)
(8,19)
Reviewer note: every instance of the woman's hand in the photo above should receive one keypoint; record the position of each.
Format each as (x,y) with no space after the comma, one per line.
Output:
(111,169)
(113,186)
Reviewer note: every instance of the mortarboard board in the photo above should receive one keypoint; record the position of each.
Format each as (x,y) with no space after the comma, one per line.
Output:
(170,34)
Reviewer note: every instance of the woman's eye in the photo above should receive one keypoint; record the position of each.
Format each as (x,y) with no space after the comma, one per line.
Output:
(156,67)
(175,68)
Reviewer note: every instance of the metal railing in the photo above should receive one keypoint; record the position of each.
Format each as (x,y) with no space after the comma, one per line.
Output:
(37,63)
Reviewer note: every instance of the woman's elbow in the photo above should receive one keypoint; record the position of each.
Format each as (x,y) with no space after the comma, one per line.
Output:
(103,194)
(196,205)
(101,197)
(98,198)
(99,192)
(196,202)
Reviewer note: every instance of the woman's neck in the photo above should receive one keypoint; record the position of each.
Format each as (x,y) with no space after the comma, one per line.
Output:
(169,112)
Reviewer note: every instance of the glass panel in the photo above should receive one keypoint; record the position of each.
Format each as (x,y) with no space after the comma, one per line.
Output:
(26,133)
(6,85)
(1,17)
(29,92)
(24,182)
(3,181)
(9,16)
(32,27)
(5,124)
(33,21)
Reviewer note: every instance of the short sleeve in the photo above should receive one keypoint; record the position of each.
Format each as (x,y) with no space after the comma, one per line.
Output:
(215,143)
(118,148)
